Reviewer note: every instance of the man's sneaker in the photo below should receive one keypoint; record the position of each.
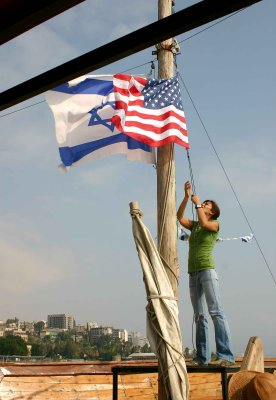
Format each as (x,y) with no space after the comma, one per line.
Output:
(194,362)
(219,362)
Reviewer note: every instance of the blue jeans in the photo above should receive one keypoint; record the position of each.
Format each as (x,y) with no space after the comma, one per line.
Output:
(204,286)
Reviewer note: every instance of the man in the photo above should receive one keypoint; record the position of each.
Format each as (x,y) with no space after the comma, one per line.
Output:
(203,280)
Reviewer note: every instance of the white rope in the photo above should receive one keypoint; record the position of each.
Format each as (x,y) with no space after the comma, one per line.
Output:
(182,235)
(245,239)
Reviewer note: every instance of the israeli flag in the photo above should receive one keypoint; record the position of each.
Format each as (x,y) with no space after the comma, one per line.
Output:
(82,110)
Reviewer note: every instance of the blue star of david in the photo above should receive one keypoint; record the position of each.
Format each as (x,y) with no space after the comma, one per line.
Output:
(97,120)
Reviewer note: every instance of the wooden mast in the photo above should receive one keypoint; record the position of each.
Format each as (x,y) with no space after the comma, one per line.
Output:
(166,214)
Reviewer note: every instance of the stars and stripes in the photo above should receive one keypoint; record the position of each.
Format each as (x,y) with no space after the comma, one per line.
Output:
(150,111)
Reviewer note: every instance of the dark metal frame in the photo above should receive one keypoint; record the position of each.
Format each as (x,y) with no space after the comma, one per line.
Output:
(175,24)
(19,16)
(141,369)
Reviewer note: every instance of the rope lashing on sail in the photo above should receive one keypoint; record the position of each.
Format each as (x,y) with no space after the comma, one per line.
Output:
(136,212)
(155,296)
(164,373)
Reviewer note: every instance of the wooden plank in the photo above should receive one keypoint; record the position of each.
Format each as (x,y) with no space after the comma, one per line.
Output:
(74,395)
(207,397)
(205,386)
(132,379)
(60,379)
(153,396)
(47,395)
(69,386)
(25,387)
(197,378)
(138,391)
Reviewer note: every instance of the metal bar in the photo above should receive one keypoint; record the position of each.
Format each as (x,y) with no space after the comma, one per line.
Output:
(180,22)
(139,369)
(224,385)
(115,385)
(19,16)
(134,369)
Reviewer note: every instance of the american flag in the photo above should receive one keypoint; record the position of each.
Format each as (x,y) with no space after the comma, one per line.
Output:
(150,111)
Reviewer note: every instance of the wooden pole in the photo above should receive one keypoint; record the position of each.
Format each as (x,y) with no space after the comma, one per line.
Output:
(166,214)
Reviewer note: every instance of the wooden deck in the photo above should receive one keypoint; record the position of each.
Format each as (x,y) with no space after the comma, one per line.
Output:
(87,380)
(72,381)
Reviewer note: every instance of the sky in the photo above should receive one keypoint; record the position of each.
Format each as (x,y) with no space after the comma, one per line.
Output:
(66,243)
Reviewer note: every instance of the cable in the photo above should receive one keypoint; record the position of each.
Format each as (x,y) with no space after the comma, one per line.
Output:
(24,108)
(211,26)
(191,172)
(228,179)
(138,66)
(192,181)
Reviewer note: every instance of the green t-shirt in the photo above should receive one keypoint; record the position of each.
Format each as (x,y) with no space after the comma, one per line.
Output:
(201,244)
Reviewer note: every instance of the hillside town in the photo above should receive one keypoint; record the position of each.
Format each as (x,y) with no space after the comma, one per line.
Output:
(89,341)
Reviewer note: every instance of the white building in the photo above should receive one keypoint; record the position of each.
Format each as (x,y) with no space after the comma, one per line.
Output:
(97,332)
(92,325)
(121,334)
(137,340)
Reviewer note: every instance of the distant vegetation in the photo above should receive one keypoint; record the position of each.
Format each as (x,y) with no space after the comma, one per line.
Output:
(13,345)
(65,346)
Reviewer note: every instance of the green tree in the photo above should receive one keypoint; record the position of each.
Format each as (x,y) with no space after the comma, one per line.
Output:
(91,351)
(37,349)
(13,346)
(135,349)
(128,349)
(12,321)
(39,326)
(63,336)
(71,350)
(108,347)
(146,349)
(47,347)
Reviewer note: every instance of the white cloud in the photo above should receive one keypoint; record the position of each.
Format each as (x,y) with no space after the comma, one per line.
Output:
(31,54)
(90,24)
(22,269)
(28,138)
(10,226)
(251,171)
(101,176)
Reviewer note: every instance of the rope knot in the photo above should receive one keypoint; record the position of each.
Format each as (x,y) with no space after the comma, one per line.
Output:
(136,212)
(156,296)
(172,46)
